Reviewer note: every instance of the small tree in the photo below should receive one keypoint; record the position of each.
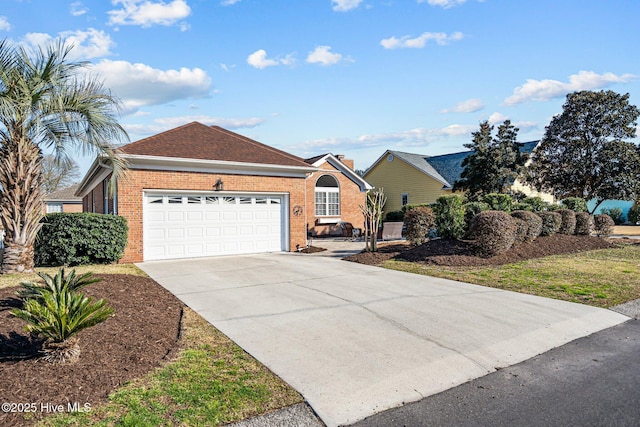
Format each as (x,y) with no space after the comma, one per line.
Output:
(372,212)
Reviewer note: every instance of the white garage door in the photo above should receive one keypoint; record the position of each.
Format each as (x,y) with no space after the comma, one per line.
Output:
(197,225)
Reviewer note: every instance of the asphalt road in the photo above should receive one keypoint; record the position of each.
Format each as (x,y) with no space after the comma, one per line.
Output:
(592,381)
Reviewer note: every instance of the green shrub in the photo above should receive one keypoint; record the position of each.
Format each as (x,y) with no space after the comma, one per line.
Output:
(536,203)
(472,209)
(449,216)
(533,221)
(417,205)
(551,222)
(498,202)
(615,214)
(394,216)
(521,207)
(419,221)
(584,224)
(568,221)
(603,225)
(576,204)
(521,230)
(80,238)
(634,213)
(494,232)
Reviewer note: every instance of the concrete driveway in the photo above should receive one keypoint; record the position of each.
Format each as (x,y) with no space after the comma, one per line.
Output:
(356,340)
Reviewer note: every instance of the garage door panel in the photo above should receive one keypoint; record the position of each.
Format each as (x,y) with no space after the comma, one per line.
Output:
(179,226)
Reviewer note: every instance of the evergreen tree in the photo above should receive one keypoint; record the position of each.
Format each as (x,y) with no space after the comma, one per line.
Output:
(583,152)
(494,163)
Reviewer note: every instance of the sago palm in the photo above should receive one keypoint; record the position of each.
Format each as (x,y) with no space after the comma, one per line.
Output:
(46,102)
(59,316)
(55,284)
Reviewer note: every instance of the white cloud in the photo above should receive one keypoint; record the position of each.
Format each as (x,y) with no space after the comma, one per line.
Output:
(420,41)
(147,13)
(544,90)
(4,24)
(323,55)
(78,9)
(345,5)
(140,85)
(258,59)
(138,131)
(497,118)
(229,2)
(443,3)
(418,137)
(86,44)
(468,106)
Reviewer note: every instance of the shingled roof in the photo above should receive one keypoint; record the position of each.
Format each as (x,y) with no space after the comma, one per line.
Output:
(198,141)
(64,194)
(447,168)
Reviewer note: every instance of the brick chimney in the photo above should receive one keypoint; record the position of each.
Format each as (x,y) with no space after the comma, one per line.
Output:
(347,162)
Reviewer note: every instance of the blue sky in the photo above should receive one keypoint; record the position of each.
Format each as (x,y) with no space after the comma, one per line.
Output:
(353,77)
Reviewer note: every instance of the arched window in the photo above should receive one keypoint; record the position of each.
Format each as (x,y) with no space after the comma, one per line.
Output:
(327,196)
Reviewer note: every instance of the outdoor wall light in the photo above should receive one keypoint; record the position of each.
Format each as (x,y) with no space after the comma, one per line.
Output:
(219,185)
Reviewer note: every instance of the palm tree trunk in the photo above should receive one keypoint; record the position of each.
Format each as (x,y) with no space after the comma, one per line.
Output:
(20,202)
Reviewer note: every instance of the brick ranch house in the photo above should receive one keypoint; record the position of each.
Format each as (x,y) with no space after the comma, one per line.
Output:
(200,190)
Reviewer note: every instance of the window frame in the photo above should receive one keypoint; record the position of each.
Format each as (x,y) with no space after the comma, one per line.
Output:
(329,203)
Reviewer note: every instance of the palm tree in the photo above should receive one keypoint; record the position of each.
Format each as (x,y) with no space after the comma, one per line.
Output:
(46,102)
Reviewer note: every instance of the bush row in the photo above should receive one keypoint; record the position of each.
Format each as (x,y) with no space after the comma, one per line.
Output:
(80,238)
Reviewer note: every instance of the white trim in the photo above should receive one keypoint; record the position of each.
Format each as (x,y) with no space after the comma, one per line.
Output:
(215,166)
(346,170)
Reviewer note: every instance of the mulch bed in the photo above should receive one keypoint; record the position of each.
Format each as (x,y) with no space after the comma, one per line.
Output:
(142,333)
(312,250)
(457,253)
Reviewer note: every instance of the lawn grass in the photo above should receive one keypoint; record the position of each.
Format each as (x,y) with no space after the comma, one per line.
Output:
(601,278)
(211,382)
(8,280)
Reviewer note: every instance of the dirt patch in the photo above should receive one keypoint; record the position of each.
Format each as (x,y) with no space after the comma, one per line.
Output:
(460,253)
(142,333)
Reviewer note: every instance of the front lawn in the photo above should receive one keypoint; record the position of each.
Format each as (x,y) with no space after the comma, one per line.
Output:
(602,278)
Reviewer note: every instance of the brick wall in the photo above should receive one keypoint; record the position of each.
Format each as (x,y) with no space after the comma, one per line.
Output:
(350,200)
(131,187)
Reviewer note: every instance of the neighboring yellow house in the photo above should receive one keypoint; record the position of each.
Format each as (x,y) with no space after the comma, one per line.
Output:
(409,178)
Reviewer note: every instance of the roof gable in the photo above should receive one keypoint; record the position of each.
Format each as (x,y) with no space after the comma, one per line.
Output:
(341,167)
(67,193)
(198,141)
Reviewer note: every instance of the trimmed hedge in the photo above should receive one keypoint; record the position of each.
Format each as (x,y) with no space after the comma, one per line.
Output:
(603,225)
(449,216)
(533,221)
(419,221)
(615,214)
(394,216)
(494,232)
(521,229)
(80,238)
(568,224)
(551,222)
(584,224)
